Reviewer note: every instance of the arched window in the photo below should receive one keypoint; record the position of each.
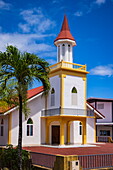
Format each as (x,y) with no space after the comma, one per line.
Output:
(80,128)
(30,127)
(74,96)
(69,50)
(58,53)
(63,50)
(52,97)
(2,127)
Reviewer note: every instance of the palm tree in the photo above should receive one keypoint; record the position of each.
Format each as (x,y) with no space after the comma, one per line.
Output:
(17,72)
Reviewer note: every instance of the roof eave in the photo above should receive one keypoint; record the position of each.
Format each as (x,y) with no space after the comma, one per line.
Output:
(63,40)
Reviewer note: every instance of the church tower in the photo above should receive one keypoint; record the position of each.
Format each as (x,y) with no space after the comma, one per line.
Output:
(65,42)
(66,102)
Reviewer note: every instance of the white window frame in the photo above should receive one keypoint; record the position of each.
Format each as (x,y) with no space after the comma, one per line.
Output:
(29,128)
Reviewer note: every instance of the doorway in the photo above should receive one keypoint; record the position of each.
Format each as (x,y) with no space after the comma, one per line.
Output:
(55,134)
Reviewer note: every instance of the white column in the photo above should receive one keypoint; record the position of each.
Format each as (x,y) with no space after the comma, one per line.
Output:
(61,58)
(71,54)
(66,52)
(57,54)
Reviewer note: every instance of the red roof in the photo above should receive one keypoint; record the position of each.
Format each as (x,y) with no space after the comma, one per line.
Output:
(65,31)
(35,91)
(31,93)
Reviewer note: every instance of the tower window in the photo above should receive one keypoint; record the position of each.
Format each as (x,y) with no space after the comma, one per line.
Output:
(2,127)
(63,50)
(30,127)
(52,97)
(80,128)
(58,53)
(74,96)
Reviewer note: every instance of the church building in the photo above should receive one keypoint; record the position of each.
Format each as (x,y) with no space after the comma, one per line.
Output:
(63,117)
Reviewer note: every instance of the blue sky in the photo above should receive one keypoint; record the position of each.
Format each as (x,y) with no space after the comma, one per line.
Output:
(33,25)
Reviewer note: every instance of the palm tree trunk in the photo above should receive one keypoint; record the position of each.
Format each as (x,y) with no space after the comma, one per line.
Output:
(20,134)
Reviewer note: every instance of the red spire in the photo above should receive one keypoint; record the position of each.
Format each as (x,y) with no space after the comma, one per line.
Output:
(65,31)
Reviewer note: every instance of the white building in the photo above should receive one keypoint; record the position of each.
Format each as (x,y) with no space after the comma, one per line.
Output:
(63,117)
(104,126)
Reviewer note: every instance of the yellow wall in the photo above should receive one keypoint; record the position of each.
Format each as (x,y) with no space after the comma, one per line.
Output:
(9,127)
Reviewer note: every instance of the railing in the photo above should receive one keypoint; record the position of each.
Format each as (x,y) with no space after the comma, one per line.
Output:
(41,159)
(102,139)
(64,64)
(67,111)
(96,161)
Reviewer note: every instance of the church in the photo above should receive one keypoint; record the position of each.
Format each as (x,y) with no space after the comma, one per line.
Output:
(64,117)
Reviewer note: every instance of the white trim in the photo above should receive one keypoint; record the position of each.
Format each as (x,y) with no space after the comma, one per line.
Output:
(95,111)
(111,123)
(13,109)
(65,40)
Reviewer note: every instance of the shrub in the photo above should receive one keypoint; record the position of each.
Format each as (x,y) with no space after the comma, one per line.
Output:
(9,158)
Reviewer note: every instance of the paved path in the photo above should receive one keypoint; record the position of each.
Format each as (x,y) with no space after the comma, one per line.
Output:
(105,148)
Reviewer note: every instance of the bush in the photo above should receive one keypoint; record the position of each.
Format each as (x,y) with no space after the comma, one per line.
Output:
(9,158)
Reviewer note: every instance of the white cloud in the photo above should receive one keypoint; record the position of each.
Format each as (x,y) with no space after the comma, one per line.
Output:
(35,21)
(85,8)
(4,5)
(102,70)
(78,13)
(99,2)
(25,42)
(24,27)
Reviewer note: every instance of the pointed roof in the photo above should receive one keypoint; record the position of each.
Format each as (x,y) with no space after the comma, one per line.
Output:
(65,31)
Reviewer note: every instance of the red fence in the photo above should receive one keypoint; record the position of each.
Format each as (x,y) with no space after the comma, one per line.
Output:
(42,159)
(96,161)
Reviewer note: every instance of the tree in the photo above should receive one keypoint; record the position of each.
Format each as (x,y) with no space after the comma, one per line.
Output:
(17,72)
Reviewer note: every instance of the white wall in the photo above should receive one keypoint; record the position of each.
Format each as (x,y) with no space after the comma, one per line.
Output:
(77,136)
(69,83)
(90,130)
(107,112)
(55,83)
(35,106)
(72,132)
(4,138)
